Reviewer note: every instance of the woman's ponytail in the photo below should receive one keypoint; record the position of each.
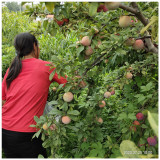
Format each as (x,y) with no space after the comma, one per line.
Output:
(14,70)
(24,45)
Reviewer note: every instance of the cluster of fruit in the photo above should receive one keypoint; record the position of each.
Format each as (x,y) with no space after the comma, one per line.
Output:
(63,21)
(152,141)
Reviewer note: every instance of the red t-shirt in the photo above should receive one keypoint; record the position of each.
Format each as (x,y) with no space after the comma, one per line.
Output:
(27,95)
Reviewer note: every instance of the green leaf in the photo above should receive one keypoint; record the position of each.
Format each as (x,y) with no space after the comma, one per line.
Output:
(23,3)
(79,50)
(121,51)
(50,6)
(131,116)
(73,128)
(36,118)
(153,20)
(37,134)
(122,116)
(68,88)
(52,75)
(60,86)
(129,149)
(93,8)
(52,103)
(55,58)
(144,126)
(55,111)
(45,23)
(84,146)
(32,125)
(124,130)
(65,106)
(74,112)
(40,156)
(153,120)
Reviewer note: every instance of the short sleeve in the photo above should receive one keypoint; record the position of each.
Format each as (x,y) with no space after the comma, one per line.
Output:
(4,86)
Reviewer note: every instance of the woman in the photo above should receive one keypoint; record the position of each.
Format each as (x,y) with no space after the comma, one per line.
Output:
(24,94)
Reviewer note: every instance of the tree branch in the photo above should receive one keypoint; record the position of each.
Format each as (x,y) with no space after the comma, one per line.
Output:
(135,10)
(129,9)
(97,61)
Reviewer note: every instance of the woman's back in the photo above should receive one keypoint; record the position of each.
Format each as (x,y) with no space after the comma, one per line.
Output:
(27,95)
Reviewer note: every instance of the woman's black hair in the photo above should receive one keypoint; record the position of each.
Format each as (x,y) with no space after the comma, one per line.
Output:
(24,45)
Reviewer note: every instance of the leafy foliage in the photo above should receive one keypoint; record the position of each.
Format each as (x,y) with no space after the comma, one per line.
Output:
(84,136)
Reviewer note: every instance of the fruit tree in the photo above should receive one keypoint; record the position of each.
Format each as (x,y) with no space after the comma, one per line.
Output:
(108,108)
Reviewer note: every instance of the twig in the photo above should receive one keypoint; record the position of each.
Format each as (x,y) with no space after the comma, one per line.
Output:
(95,62)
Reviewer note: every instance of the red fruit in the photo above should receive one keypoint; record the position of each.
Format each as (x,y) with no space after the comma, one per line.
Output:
(138,44)
(82,84)
(102,104)
(136,123)
(100,8)
(89,51)
(66,20)
(85,41)
(112,92)
(152,141)
(60,23)
(105,9)
(117,34)
(140,116)
(107,94)
(66,120)
(133,128)
(53,127)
